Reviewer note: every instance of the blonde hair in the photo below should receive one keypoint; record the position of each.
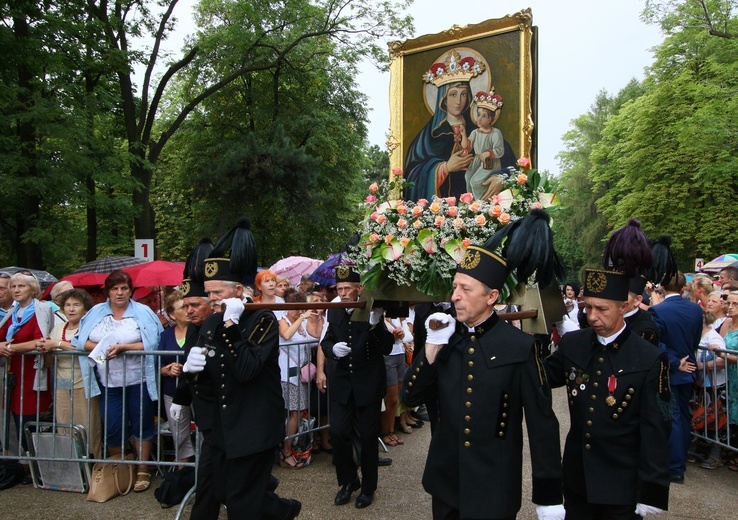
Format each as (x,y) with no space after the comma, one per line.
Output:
(30,280)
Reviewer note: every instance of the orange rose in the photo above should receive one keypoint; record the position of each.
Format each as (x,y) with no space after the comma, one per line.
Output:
(374,187)
(475,207)
(480,220)
(522,178)
(381,218)
(439,221)
(452,211)
(423,203)
(417,211)
(458,223)
(451,201)
(401,209)
(374,238)
(496,211)
(435,207)
(418,224)
(374,216)
(388,239)
(404,241)
(504,219)
(402,223)
(536,205)
(466,243)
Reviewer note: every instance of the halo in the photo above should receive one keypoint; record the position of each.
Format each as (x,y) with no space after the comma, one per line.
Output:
(481,82)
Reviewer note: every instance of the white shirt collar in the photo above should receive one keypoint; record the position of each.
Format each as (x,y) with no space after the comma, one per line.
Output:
(609,339)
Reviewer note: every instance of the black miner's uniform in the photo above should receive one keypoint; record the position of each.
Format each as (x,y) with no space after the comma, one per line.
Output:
(617,449)
(641,323)
(484,380)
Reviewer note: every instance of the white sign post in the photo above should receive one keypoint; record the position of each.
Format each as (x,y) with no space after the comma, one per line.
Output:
(144,248)
(698,263)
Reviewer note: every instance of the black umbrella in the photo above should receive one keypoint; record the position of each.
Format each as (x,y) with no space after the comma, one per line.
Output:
(108,264)
(44,278)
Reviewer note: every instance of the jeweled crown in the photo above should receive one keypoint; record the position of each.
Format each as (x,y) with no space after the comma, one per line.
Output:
(488,100)
(454,69)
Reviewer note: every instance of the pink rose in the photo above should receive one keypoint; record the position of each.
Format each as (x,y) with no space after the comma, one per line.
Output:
(439,221)
(371,199)
(401,209)
(524,163)
(401,223)
(388,239)
(504,219)
(496,211)
(435,207)
(418,224)
(466,243)
(397,171)
(423,203)
(466,197)
(382,218)
(374,187)
(458,223)
(522,178)
(452,211)
(374,238)
(536,205)
(404,241)
(480,220)
(417,211)
(475,207)
(374,216)
(451,201)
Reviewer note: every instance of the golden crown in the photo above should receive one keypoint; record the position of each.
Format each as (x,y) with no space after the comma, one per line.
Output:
(488,100)
(454,69)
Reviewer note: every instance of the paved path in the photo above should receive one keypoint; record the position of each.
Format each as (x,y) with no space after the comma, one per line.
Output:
(705,495)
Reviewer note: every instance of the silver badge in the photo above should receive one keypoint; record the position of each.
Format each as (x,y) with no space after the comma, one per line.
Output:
(211,353)
(582,387)
(574,392)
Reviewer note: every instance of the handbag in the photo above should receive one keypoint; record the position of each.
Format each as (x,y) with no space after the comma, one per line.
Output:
(307,372)
(110,479)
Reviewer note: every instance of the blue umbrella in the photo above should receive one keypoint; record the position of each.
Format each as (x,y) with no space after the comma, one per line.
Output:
(325,273)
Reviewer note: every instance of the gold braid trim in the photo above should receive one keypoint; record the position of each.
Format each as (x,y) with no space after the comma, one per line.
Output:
(260,328)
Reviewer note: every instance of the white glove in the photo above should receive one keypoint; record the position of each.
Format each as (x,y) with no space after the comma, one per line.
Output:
(643,510)
(376,315)
(440,336)
(175,412)
(233,309)
(195,360)
(556,512)
(341,349)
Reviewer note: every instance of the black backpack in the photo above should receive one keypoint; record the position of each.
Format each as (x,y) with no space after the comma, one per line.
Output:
(175,486)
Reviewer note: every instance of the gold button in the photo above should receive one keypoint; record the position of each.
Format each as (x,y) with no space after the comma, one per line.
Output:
(417,370)
(587,435)
(410,384)
(587,446)
(470,363)
(471,351)
(591,410)
(470,377)
(600,360)
(593,397)
(614,416)
(222,386)
(467,444)
(620,410)
(596,384)
(506,396)
(224,406)
(599,373)
(467,418)
(473,338)
(502,425)
(504,405)
(504,415)
(589,423)
(467,431)
(414,378)
(631,390)
(624,404)
(500,434)
(627,397)
(468,404)
(468,390)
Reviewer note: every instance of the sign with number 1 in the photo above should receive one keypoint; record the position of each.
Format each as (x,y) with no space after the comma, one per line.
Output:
(144,248)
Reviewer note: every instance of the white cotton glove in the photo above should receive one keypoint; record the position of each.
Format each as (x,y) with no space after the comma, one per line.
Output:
(233,309)
(195,360)
(442,335)
(644,510)
(175,412)
(341,349)
(556,512)
(376,315)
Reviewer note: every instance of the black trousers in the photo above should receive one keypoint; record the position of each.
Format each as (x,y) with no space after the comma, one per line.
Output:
(206,505)
(577,508)
(443,511)
(367,419)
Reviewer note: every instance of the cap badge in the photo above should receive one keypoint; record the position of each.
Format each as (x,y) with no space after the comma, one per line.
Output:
(211,269)
(471,259)
(596,282)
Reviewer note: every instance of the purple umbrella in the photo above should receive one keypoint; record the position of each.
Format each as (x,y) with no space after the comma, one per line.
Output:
(325,273)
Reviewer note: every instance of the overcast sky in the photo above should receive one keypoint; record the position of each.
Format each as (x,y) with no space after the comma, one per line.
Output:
(584,46)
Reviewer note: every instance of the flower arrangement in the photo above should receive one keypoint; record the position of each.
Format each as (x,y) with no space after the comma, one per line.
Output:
(420,243)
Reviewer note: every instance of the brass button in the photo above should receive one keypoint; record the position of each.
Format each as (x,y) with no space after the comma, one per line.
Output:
(414,378)
(600,360)
(591,410)
(620,410)
(468,404)
(504,415)
(467,444)
(500,434)
(222,386)
(224,406)
(470,363)
(467,418)
(502,425)
(599,372)
(222,355)
(506,396)
(504,405)
(587,435)
(628,397)
(473,338)
(468,390)
(596,384)
(624,404)
(589,423)
(631,391)
(614,416)
(410,384)
(417,370)
(587,446)
(467,431)
(593,397)
(470,377)
(471,351)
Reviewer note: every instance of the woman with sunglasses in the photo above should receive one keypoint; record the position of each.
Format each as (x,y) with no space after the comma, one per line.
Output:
(30,322)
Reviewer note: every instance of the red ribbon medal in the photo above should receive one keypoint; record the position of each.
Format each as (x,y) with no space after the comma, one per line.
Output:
(612,384)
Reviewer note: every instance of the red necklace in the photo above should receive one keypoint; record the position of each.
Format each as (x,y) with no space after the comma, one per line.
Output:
(64,332)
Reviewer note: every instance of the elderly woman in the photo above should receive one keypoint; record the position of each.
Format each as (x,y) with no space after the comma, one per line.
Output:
(29,323)
(109,330)
(173,339)
(716,308)
(283,284)
(70,404)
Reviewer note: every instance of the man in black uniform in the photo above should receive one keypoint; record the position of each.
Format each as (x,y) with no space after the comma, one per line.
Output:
(639,321)
(485,373)
(239,358)
(616,457)
(357,385)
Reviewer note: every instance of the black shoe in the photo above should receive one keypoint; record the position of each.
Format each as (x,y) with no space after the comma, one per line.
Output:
(384,461)
(295,506)
(364,500)
(676,479)
(344,494)
(273,483)
(421,413)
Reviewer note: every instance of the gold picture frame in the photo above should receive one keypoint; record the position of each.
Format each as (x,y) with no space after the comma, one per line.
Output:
(502,51)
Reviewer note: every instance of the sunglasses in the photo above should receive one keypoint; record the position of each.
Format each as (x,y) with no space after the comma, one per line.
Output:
(724,297)
(4,275)
(26,272)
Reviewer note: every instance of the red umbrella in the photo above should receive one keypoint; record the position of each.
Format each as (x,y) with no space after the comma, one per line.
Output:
(156,273)
(79,280)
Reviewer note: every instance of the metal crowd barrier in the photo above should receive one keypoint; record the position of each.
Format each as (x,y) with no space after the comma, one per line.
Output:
(713,397)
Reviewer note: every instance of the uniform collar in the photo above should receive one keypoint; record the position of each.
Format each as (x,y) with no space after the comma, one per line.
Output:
(615,340)
(485,326)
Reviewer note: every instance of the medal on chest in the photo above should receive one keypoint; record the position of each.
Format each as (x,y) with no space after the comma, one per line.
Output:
(612,384)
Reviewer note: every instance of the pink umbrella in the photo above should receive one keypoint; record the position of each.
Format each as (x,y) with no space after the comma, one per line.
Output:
(293,267)
(156,273)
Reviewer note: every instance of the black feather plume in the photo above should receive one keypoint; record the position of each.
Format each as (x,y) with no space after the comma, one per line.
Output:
(664,264)
(195,264)
(628,250)
(240,242)
(527,246)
